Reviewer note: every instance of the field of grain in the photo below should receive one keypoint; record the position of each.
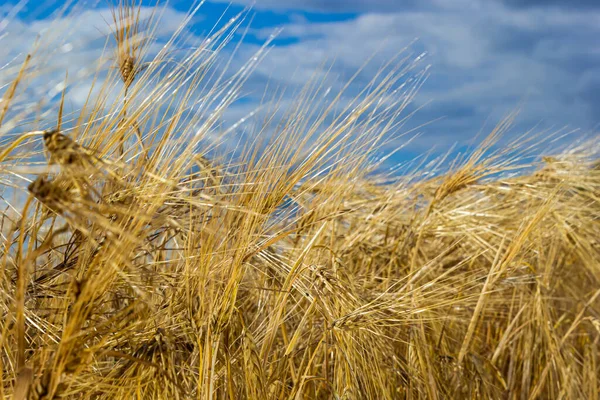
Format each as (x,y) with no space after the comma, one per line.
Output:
(137,264)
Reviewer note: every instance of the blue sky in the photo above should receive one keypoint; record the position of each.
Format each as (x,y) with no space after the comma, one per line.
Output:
(485,58)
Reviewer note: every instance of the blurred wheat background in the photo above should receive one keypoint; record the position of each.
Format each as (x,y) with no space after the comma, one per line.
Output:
(138,260)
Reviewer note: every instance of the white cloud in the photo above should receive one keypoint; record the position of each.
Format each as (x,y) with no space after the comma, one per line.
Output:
(80,44)
(486,58)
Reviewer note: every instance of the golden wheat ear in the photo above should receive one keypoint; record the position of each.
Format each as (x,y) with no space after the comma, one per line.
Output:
(129,34)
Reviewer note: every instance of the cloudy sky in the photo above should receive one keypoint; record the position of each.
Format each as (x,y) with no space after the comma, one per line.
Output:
(484,58)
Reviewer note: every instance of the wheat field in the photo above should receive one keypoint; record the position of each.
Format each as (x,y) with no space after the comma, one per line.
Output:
(139,262)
